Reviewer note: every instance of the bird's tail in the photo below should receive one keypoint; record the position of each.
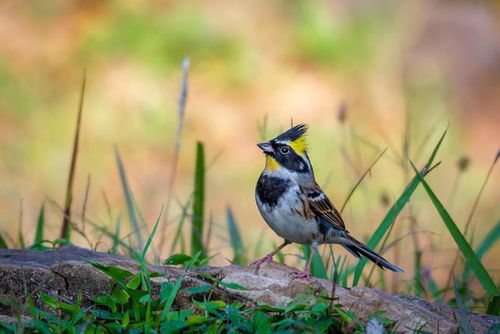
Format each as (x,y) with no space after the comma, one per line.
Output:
(357,249)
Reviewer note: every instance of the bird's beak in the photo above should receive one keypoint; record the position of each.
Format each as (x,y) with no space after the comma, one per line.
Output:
(266,147)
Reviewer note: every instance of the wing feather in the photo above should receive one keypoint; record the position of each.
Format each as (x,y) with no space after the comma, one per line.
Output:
(322,207)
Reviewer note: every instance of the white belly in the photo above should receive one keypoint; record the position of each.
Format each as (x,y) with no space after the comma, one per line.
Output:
(286,222)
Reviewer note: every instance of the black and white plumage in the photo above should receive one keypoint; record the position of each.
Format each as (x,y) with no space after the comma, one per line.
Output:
(294,205)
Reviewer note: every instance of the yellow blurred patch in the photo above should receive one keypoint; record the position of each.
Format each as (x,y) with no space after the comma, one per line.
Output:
(271,164)
(299,145)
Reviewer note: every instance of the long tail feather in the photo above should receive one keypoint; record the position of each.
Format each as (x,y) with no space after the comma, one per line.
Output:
(357,249)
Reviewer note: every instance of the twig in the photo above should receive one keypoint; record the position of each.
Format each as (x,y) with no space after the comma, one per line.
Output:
(65,230)
(361,180)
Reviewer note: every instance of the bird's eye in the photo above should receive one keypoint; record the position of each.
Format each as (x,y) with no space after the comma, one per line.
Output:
(284,150)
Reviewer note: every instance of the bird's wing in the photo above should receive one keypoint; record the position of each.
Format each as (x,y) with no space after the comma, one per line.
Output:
(322,207)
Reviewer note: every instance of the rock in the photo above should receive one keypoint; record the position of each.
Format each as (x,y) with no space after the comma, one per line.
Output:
(66,273)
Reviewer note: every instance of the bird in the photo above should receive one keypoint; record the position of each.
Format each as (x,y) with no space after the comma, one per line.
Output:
(296,208)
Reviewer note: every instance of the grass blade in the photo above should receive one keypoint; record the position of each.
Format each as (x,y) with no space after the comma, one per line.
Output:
(3,244)
(116,236)
(361,180)
(151,235)
(129,200)
(471,214)
(236,241)
(20,236)
(489,240)
(466,250)
(394,211)
(66,226)
(39,227)
(198,202)
(177,286)
(462,314)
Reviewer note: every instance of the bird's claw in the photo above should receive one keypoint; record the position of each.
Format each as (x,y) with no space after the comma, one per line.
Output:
(306,274)
(266,259)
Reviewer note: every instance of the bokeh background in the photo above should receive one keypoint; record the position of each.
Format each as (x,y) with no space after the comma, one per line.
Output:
(365,75)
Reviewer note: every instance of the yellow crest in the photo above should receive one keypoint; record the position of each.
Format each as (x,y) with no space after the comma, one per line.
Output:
(299,145)
(296,138)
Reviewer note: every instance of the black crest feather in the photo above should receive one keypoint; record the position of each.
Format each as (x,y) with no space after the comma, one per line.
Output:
(294,133)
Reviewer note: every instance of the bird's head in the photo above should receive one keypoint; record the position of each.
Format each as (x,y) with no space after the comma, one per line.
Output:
(288,151)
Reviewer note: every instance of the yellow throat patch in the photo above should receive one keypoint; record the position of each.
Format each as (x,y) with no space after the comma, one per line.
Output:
(271,164)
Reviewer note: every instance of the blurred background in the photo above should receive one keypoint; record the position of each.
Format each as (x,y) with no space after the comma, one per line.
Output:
(365,75)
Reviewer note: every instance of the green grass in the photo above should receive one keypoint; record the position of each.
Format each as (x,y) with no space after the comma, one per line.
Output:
(37,242)
(130,304)
(394,211)
(465,248)
(129,200)
(239,252)
(198,220)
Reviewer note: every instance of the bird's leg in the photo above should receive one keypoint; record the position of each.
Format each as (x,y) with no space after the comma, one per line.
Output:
(307,270)
(269,257)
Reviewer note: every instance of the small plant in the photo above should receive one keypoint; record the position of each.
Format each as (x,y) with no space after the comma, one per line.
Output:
(133,306)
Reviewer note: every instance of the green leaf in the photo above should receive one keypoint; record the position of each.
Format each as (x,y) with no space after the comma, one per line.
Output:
(3,244)
(214,280)
(489,240)
(466,250)
(129,199)
(393,213)
(151,235)
(177,259)
(236,241)
(121,295)
(39,228)
(134,282)
(117,274)
(175,289)
(261,323)
(494,306)
(199,289)
(319,307)
(196,320)
(125,319)
(49,300)
(198,202)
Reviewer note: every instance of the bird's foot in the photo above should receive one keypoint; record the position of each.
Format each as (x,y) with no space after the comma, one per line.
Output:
(306,274)
(266,259)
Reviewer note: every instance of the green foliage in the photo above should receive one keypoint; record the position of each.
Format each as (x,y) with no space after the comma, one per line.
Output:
(393,212)
(129,200)
(235,238)
(37,242)
(469,255)
(132,306)
(324,38)
(489,240)
(317,266)
(198,202)
(3,243)
(162,39)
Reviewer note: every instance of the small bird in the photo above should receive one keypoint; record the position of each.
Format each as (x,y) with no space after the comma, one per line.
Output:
(295,207)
